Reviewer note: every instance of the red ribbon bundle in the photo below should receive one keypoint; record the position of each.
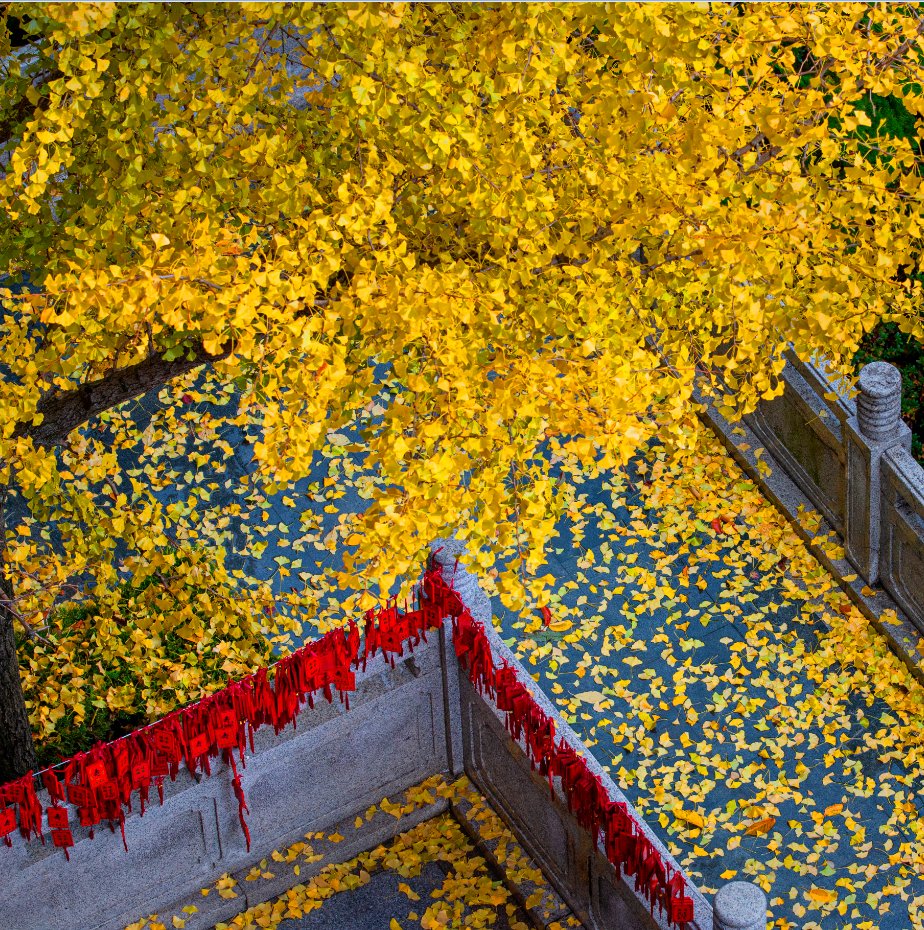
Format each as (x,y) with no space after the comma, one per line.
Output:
(100,783)
(626,846)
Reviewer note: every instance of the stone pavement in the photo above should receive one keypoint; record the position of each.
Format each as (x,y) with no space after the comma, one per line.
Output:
(703,668)
(373,905)
(710,664)
(434,876)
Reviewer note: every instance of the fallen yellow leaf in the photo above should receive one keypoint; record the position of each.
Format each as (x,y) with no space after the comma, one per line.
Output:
(760,827)
(822,895)
(591,697)
(690,817)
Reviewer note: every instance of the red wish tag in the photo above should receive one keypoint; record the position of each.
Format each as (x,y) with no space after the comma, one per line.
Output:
(141,774)
(62,838)
(311,671)
(618,817)
(7,821)
(79,795)
(159,766)
(225,717)
(107,791)
(88,816)
(198,744)
(120,755)
(345,679)
(227,737)
(95,773)
(53,786)
(57,818)
(680,910)
(165,743)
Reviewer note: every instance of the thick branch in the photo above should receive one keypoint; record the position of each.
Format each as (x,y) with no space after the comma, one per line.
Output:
(63,413)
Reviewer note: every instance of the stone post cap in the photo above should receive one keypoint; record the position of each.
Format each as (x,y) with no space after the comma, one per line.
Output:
(450,546)
(880,379)
(739,906)
(464,582)
(879,403)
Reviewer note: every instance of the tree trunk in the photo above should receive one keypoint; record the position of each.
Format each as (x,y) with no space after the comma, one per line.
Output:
(17,752)
(63,413)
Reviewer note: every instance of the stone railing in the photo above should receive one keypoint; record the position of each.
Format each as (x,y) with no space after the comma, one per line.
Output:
(405,724)
(852,460)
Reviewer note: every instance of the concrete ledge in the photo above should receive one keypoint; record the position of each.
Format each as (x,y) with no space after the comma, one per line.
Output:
(573,863)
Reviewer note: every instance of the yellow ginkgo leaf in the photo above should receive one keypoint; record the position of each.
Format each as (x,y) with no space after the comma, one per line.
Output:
(690,817)
(591,697)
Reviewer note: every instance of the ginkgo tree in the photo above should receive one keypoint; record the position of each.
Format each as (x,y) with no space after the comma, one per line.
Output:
(524,231)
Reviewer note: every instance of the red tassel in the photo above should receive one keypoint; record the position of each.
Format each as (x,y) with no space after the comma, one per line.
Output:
(53,786)
(63,839)
(7,822)
(241,807)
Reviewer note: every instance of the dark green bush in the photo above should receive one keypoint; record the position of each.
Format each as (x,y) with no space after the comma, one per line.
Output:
(886,343)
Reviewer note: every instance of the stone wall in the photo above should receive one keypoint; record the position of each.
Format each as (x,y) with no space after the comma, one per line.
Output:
(314,778)
(804,432)
(901,553)
(406,723)
(542,822)
(501,770)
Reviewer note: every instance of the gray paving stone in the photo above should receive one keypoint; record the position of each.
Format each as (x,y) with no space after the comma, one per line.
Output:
(373,905)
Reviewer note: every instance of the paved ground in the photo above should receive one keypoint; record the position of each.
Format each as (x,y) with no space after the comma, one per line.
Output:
(712,666)
(372,905)
(704,669)
(430,877)
(380,902)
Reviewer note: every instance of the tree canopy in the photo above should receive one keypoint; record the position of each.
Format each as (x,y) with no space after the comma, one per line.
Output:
(504,234)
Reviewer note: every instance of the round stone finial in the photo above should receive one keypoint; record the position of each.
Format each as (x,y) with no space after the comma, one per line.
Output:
(739,906)
(446,552)
(879,403)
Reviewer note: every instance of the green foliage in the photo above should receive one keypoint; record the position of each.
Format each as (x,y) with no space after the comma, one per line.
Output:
(100,669)
(71,734)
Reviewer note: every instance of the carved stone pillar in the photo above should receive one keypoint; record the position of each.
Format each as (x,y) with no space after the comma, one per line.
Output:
(876,428)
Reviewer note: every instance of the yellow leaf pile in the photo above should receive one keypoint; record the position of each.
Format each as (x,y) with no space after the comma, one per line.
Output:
(469,896)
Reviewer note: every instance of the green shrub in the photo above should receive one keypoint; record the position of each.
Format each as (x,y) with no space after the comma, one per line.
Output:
(886,343)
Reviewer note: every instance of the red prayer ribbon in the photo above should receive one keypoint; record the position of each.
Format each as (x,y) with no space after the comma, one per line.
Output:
(101,783)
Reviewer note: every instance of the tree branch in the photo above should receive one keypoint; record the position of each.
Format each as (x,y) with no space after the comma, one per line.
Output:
(63,413)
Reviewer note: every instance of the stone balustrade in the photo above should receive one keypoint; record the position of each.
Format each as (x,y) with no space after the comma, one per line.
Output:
(852,460)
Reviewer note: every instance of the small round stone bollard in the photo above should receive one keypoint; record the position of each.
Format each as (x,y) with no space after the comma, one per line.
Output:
(879,403)
(739,906)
